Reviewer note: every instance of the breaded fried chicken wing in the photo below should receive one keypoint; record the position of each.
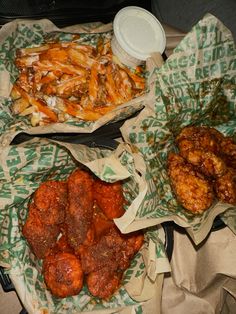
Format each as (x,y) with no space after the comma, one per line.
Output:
(109,197)
(207,162)
(192,190)
(225,187)
(228,151)
(40,237)
(63,274)
(199,137)
(51,199)
(227,147)
(104,282)
(79,213)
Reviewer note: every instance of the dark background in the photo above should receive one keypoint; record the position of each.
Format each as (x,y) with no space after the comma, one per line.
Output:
(66,12)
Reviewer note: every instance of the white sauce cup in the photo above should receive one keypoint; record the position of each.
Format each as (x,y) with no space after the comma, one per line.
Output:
(137,35)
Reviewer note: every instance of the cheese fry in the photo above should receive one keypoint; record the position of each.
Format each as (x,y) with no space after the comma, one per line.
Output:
(62,80)
(38,103)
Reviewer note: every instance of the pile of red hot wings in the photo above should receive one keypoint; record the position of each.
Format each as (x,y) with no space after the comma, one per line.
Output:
(70,226)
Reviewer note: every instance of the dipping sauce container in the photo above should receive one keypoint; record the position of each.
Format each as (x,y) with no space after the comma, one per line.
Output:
(137,35)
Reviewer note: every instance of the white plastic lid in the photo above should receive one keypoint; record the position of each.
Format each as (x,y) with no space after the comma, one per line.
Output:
(139,32)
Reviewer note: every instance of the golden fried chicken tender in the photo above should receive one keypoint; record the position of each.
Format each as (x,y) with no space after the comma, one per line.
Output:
(225,187)
(51,199)
(104,282)
(207,162)
(63,274)
(41,237)
(192,190)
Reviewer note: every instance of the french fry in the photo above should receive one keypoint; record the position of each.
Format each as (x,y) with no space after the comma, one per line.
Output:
(29,51)
(38,103)
(15,93)
(20,105)
(42,107)
(28,111)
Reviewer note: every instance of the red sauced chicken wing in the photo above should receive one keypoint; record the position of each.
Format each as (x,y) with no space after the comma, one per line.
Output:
(40,237)
(70,225)
(79,213)
(109,197)
(103,282)
(51,199)
(63,274)
(113,250)
(105,261)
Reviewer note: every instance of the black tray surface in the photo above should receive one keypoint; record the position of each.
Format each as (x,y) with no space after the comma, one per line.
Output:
(65,13)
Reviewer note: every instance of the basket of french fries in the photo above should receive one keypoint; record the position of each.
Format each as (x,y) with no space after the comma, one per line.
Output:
(60,80)
(64,81)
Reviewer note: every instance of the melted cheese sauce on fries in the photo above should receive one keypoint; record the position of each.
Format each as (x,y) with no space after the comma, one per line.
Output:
(58,81)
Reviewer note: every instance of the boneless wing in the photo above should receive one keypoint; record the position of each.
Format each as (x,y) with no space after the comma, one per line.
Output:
(109,197)
(70,226)
(192,190)
(62,245)
(105,261)
(79,212)
(40,237)
(225,187)
(113,250)
(207,162)
(199,137)
(51,199)
(228,151)
(104,282)
(63,274)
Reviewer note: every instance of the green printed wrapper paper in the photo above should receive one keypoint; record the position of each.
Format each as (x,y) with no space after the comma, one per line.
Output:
(22,170)
(26,33)
(195,86)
